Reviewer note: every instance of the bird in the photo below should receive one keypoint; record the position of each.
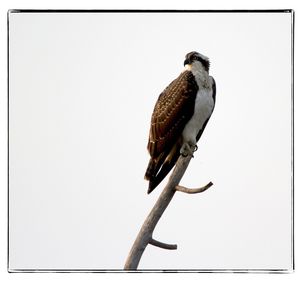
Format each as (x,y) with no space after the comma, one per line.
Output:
(179,117)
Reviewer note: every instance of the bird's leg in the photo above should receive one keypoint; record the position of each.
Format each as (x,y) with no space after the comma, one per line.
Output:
(188,148)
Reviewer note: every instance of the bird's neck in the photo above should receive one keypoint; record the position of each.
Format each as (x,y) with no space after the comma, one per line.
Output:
(201,75)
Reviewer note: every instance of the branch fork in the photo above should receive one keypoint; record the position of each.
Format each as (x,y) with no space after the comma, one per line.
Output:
(145,235)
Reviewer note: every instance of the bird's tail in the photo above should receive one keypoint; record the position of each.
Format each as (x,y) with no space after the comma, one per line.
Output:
(154,166)
(156,172)
(150,171)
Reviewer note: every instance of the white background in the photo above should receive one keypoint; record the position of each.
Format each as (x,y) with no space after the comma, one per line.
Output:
(82,89)
(46,277)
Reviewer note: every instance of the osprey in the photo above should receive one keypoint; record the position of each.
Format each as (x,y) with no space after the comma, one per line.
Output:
(179,117)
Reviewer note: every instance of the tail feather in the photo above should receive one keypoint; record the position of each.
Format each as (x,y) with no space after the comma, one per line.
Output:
(156,173)
(165,169)
(150,172)
(154,166)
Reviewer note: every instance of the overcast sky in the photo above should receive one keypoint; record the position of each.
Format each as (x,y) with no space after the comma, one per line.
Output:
(82,90)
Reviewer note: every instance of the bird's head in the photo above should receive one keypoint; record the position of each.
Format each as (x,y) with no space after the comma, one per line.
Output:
(195,57)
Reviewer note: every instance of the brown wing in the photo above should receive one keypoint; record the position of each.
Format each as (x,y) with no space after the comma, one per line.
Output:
(174,108)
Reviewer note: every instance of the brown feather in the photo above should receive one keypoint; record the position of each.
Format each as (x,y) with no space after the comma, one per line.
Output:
(173,109)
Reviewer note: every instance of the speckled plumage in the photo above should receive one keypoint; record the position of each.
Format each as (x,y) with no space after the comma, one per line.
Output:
(174,121)
(175,106)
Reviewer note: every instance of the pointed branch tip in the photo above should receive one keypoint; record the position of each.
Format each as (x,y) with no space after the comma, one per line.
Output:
(194,190)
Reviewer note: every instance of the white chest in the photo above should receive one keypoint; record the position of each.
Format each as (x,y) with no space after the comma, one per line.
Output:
(204,106)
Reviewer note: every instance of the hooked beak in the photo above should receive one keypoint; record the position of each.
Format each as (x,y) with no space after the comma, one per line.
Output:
(186,62)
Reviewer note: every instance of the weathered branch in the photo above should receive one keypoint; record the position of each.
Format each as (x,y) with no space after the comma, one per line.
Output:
(194,190)
(145,235)
(162,245)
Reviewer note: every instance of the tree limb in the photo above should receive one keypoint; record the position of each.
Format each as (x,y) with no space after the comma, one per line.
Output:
(194,190)
(145,235)
(162,245)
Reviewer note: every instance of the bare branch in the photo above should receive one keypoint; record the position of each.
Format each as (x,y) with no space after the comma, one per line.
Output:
(162,245)
(145,235)
(193,190)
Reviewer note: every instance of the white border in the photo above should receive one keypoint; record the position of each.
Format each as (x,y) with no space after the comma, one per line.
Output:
(131,4)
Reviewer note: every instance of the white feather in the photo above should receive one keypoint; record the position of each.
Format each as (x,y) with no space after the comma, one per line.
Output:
(204,103)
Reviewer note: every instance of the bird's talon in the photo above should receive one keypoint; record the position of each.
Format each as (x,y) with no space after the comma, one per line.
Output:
(188,150)
(184,154)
